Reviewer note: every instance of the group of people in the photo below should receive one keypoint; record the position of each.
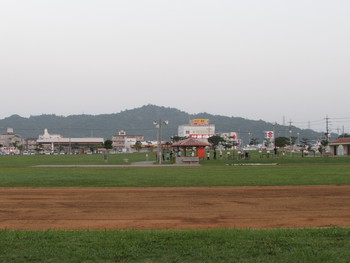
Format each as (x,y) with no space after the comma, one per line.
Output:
(228,155)
(166,155)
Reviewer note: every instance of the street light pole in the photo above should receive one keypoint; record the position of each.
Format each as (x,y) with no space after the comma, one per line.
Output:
(274,141)
(290,141)
(274,135)
(159,138)
(298,143)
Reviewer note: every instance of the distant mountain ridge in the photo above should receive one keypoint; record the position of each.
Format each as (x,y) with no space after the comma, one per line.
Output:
(139,121)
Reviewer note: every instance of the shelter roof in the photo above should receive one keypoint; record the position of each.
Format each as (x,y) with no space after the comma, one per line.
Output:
(190,142)
(341,141)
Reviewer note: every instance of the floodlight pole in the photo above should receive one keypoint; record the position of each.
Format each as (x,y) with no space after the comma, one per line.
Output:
(274,140)
(159,138)
(290,140)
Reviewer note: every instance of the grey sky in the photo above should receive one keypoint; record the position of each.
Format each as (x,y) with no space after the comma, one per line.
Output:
(254,59)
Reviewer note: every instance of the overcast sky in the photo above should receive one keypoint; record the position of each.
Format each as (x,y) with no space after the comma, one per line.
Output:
(257,59)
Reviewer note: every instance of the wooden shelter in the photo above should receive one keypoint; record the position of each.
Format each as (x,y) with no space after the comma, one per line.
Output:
(190,143)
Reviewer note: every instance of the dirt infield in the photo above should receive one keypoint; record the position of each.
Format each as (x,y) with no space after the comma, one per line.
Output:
(174,208)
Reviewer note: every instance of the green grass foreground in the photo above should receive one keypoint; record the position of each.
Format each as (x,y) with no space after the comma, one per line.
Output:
(175,176)
(301,245)
(17,171)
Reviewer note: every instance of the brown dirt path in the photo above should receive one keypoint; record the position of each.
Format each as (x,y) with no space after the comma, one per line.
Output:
(174,208)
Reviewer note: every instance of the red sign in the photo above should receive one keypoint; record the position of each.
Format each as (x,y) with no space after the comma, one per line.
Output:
(200,136)
(269,135)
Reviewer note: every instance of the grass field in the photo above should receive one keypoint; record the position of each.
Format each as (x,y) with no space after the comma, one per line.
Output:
(299,245)
(174,177)
(118,159)
(17,171)
(305,245)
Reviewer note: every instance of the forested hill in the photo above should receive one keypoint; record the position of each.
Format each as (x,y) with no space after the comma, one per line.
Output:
(139,121)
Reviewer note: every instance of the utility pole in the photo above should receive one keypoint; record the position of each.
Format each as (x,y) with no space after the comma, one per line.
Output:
(274,135)
(290,136)
(327,128)
(274,140)
(338,131)
(70,139)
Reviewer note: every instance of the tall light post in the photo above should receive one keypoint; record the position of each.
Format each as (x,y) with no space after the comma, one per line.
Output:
(290,141)
(274,140)
(274,135)
(298,143)
(159,138)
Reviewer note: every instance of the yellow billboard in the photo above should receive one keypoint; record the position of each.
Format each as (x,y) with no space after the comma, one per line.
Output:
(199,122)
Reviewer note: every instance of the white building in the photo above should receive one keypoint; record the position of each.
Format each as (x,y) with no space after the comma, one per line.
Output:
(122,142)
(10,139)
(50,141)
(197,128)
(47,136)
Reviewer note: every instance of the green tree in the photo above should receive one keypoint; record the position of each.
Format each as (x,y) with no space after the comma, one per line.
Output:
(20,148)
(344,135)
(95,147)
(60,148)
(38,148)
(305,142)
(323,145)
(138,146)
(108,144)
(215,140)
(282,141)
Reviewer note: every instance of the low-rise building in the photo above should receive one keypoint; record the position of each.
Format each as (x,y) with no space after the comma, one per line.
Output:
(340,147)
(10,139)
(56,142)
(123,142)
(30,144)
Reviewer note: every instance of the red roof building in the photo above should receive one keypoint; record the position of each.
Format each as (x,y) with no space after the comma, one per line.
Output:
(190,143)
(340,146)
(341,141)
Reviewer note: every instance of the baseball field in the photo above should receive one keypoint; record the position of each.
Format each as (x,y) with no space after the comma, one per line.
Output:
(296,210)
